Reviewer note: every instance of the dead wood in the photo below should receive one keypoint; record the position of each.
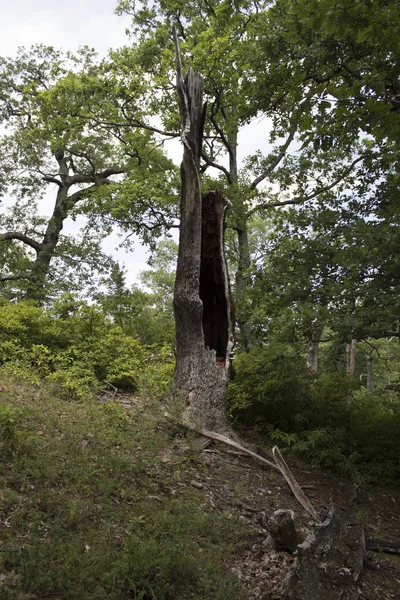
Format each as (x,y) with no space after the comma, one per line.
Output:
(326,566)
(282,532)
(202,304)
(280,465)
(376,545)
(294,486)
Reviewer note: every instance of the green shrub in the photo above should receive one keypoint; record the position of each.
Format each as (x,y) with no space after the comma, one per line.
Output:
(270,388)
(156,378)
(326,418)
(76,349)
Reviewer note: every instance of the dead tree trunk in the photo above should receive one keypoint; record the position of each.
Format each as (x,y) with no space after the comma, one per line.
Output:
(370,376)
(201,298)
(312,355)
(328,563)
(351,358)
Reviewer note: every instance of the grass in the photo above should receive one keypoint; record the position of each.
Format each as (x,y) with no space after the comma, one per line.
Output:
(90,510)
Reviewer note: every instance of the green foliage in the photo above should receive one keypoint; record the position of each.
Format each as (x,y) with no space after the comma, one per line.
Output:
(76,349)
(157,378)
(263,393)
(11,430)
(52,106)
(328,419)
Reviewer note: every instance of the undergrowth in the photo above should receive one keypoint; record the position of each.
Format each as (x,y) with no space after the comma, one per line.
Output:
(326,419)
(89,509)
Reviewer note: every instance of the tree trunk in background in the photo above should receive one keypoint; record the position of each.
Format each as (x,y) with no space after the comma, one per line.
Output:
(40,269)
(370,376)
(351,358)
(202,306)
(312,356)
(243,283)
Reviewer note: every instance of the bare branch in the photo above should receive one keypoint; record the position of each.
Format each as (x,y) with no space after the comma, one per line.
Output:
(215,165)
(221,135)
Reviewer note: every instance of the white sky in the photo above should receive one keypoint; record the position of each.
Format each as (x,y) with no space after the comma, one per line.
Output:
(73,23)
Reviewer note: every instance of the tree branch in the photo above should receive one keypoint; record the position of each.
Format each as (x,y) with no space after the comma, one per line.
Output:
(12,278)
(77,196)
(21,237)
(110,171)
(221,135)
(211,163)
(49,179)
(314,194)
(277,160)
(93,177)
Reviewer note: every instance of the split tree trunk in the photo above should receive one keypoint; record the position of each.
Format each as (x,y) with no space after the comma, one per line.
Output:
(201,298)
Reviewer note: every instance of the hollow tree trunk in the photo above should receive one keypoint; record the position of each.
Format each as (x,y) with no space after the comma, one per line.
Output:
(312,355)
(201,297)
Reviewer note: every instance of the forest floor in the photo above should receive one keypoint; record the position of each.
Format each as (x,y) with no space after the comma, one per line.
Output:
(234,482)
(95,504)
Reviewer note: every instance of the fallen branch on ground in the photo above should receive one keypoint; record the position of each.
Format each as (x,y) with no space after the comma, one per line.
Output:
(280,465)
(294,486)
(382,546)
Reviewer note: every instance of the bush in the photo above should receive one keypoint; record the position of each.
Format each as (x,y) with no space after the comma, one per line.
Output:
(76,349)
(326,418)
(270,388)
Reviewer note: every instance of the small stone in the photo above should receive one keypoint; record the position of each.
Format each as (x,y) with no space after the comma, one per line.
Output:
(196,484)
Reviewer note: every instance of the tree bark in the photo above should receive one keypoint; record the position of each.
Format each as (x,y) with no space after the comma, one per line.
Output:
(370,376)
(328,562)
(351,358)
(47,247)
(242,281)
(202,305)
(312,356)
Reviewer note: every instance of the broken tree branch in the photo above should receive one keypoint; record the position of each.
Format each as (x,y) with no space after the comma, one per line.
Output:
(294,486)
(280,465)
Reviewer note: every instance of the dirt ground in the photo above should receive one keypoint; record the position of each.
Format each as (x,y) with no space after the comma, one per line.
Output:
(233,482)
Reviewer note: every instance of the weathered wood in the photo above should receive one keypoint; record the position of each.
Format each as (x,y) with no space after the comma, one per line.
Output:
(370,376)
(225,440)
(204,333)
(282,532)
(326,565)
(382,546)
(313,349)
(280,465)
(351,358)
(294,486)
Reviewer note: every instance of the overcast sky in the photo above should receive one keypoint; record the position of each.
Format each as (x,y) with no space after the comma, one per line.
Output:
(67,25)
